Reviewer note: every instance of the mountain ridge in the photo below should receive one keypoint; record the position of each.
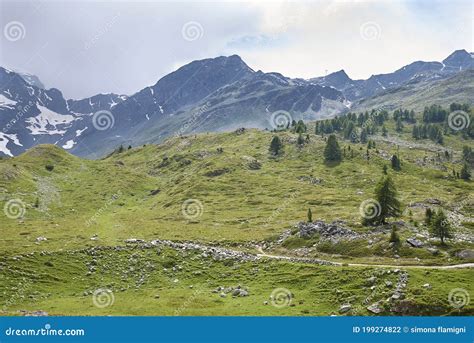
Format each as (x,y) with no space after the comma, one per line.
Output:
(213,94)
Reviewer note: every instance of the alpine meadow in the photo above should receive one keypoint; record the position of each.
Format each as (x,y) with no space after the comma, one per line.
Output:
(201,185)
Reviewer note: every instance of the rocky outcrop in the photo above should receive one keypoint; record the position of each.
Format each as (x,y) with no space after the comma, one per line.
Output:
(335,229)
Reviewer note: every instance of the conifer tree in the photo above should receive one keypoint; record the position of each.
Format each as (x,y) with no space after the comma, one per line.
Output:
(386,196)
(275,145)
(465,172)
(332,151)
(440,226)
(396,163)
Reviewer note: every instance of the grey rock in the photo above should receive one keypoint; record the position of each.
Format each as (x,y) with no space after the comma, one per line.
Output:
(375,308)
(345,308)
(414,242)
(466,254)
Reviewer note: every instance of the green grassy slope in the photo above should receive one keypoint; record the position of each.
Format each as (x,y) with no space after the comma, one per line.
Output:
(76,199)
(243,196)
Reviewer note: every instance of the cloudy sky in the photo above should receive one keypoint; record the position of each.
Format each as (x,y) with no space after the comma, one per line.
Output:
(89,47)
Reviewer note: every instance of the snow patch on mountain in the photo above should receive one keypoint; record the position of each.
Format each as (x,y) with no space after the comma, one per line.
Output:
(5,102)
(48,122)
(79,132)
(69,144)
(5,139)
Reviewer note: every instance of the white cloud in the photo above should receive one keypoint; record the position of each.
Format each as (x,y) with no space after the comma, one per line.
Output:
(132,45)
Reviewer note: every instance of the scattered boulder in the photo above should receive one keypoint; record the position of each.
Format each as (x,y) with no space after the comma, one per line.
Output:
(466,254)
(134,241)
(345,308)
(414,242)
(371,280)
(375,308)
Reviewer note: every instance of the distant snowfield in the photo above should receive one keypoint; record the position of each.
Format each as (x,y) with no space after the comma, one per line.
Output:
(4,101)
(5,139)
(47,122)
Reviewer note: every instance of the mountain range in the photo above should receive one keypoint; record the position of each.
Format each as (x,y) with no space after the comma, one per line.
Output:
(216,94)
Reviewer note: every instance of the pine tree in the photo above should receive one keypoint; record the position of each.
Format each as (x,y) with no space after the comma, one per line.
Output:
(300,127)
(363,136)
(396,163)
(332,151)
(428,216)
(394,238)
(465,172)
(310,216)
(386,195)
(300,140)
(440,226)
(399,125)
(275,145)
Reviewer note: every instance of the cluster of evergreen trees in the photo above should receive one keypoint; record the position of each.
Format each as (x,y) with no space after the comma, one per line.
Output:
(435,114)
(431,131)
(405,115)
(358,127)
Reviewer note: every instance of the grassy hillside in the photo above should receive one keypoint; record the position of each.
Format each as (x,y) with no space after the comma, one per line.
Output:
(224,189)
